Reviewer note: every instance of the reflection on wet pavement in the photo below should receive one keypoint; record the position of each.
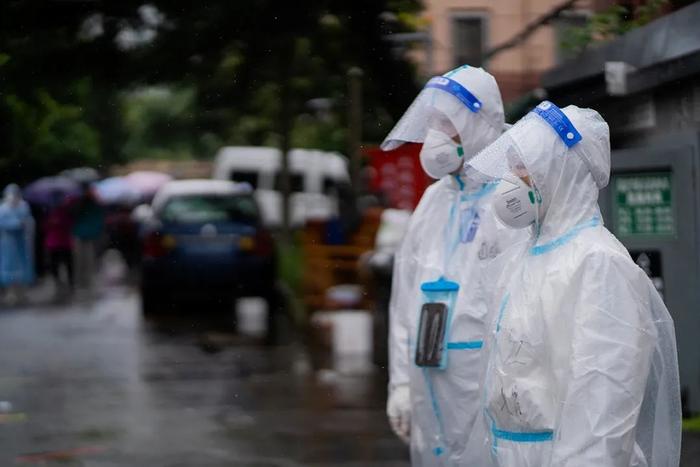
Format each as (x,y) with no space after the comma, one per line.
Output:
(92,384)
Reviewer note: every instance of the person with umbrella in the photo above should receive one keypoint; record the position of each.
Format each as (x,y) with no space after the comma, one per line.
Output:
(16,240)
(58,241)
(41,195)
(42,192)
(119,198)
(88,226)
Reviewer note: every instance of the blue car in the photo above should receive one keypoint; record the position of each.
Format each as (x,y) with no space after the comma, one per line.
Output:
(204,239)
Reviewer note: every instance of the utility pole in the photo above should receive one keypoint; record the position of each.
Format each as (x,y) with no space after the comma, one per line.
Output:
(285,129)
(355,125)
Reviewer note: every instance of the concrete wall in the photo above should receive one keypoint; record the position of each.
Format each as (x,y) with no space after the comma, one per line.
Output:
(644,117)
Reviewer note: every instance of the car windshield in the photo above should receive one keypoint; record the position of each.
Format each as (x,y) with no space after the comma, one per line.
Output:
(210,208)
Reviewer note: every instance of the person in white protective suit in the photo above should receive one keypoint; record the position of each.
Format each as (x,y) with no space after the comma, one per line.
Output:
(451,236)
(581,357)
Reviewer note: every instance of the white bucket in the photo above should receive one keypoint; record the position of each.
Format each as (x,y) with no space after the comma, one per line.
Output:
(352,332)
(251,316)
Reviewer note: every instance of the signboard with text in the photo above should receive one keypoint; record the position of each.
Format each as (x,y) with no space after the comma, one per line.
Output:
(643,204)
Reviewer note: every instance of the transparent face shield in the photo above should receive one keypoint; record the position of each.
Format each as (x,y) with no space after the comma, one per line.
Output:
(442,153)
(501,160)
(517,200)
(443,105)
(438,121)
(525,154)
(531,144)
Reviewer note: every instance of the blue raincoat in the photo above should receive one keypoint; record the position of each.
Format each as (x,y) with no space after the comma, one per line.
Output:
(16,241)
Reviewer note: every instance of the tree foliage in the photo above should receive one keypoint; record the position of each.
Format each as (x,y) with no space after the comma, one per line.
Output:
(78,79)
(44,132)
(611,23)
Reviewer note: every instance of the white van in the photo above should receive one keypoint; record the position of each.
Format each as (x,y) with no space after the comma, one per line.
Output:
(314,178)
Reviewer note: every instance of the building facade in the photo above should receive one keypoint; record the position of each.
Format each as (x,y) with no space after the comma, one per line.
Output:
(464,31)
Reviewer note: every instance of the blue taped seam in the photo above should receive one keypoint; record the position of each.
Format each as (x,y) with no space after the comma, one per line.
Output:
(484,190)
(459,182)
(564,239)
(501,310)
(467,345)
(438,450)
(450,245)
(523,436)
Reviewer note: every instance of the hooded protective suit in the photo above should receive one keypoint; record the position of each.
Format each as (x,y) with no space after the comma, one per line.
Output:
(582,367)
(452,235)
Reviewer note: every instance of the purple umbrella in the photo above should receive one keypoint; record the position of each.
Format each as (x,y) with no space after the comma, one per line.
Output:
(147,182)
(45,190)
(117,190)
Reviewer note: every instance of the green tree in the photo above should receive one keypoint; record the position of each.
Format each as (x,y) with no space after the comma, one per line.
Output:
(47,135)
(611,23)
(160,123)
(251,67)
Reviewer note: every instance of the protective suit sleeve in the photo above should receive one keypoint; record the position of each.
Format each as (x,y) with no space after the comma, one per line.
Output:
(404,293)
(613,338)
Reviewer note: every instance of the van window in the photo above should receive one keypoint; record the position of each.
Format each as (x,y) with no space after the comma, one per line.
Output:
(249,177)
(330,186)
(296,182)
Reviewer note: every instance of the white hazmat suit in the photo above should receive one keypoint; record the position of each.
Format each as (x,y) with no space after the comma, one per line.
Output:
(451,237)
(582,366)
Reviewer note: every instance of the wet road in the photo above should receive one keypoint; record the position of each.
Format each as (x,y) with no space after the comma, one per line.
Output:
(92,384)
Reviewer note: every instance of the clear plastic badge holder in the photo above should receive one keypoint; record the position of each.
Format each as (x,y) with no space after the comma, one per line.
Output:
(469,224)
(439,299)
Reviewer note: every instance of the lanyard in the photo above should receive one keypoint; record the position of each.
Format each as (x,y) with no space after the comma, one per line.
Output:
(451,238)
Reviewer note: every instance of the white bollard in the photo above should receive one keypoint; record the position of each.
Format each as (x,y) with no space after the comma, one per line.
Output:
(352,332)
(352,341)
(251,316)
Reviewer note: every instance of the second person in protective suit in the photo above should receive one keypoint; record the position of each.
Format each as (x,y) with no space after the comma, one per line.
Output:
(582,367)
(438,305)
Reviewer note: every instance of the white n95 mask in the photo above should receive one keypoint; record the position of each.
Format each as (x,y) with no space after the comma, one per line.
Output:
(440,155)
(515,203)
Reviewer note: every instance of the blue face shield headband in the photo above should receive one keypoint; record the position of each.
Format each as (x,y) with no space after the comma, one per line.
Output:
(460,92)
(555,118)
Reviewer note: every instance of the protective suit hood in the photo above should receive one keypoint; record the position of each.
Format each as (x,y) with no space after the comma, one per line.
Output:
(464,102)
(568,178)
(12,193)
